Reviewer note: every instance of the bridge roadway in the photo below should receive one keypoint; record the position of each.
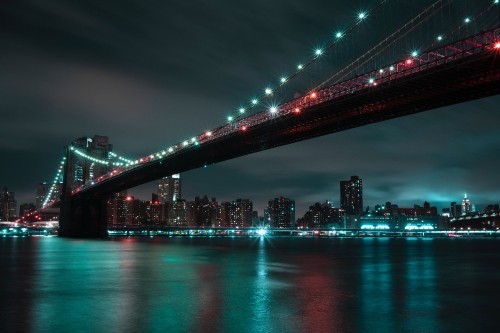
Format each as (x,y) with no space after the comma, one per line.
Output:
(467,74)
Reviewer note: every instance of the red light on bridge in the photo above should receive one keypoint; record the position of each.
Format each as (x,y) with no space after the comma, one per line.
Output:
(409,61)
(497,45)
(297,110)
(129,198)
(243,128)
(313,95)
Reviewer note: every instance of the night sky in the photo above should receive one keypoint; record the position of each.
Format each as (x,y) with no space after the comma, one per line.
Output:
(149,74)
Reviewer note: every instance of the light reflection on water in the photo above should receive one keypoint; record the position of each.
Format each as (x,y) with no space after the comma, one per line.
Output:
(248,285)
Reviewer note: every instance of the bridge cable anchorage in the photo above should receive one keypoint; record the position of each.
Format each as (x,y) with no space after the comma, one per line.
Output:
(56,180)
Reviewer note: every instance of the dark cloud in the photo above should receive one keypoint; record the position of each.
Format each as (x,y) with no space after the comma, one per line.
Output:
(151,73)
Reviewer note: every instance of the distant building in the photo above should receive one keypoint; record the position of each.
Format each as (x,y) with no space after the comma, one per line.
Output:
(466,205)
(169,188)
(8,205)
(281,212)
(351,195)
(456,210)
(42,190)
(222,215)
(177,213)
(26,208)
(155,211)
(82,170)
(323,215)
(240,213)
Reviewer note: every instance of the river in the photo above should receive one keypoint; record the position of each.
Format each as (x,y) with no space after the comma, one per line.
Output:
(182,284)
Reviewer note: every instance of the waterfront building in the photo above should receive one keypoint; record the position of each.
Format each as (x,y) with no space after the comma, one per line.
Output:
(281,212)
(323,215)
(177,213)
(169,188)
(222,215)
(8,205)
(240,213)
(26,208)
(351,195)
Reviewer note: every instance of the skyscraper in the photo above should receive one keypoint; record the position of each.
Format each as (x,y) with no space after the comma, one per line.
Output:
(281,212)
(169,188)
(240,213)
(351,195)
(466,206)
(8,205)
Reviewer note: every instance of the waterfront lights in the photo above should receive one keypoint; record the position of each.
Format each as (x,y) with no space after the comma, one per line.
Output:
(283,79)
(439,38)
(318,52)
(229,118)
(467,20)
(268,91)
(299,67)
(391,68)
(273,109)
(255,101)
(362,15)
(242,110)
(262,232)
(414,54)
(338,34)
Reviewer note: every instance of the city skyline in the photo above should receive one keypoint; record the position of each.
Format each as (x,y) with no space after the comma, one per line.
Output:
(463,203)
(65,78)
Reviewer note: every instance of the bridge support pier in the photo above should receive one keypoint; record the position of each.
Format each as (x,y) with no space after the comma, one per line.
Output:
(83,217)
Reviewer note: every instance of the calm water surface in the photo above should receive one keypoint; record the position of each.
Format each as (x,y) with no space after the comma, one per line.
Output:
(49,284)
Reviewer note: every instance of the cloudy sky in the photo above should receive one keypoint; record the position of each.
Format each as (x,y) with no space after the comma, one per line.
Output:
(149,74)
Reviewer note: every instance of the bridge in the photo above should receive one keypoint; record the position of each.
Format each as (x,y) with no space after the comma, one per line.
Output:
(444,74)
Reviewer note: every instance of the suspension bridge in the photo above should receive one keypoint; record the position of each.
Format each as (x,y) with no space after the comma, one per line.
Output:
(458,65)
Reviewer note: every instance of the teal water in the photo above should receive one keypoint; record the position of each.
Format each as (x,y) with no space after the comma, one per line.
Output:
(50,284)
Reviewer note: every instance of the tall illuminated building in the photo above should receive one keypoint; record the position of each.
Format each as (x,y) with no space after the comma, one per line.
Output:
(466,206)
(281,212)
(8,205)
(351,195)
(169,188)
(240,213)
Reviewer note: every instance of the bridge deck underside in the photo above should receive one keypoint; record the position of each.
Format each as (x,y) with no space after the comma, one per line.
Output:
(463,80)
